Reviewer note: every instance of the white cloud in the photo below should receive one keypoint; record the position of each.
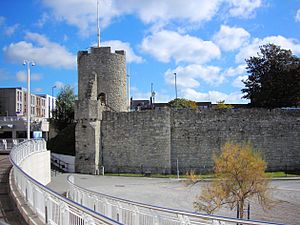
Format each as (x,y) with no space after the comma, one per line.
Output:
(41,50)
(22,76)
(41,22)
(244,8)
(166,45)
(238,81)
(231,38)
(82,13)
(11,30)
(7,30)
(297,17)
(235,71)
(253,47)
(213,96)
(191,75)
(163,10)
(38,90)
(119,45)
(59,84)
(65,38)
(137,94)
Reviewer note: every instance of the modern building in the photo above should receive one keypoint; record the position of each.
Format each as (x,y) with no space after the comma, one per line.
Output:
(144,104)
(50,105)
(13,113)
(13,102)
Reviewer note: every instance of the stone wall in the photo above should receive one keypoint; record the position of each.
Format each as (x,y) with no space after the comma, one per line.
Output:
(87,144)
(197,135)
(136,142)
(155,140)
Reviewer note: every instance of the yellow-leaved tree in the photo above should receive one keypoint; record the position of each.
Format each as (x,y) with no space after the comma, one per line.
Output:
(240,176)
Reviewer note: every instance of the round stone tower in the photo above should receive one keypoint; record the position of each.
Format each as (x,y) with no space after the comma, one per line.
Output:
(108,70)
(101,87)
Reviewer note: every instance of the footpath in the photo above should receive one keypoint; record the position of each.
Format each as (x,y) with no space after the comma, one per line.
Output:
(9,214)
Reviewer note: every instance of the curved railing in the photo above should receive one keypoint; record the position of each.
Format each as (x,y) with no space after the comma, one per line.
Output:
(49,206)
(134,213)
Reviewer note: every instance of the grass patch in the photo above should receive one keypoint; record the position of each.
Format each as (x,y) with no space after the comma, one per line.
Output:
(173,176)
(277,174)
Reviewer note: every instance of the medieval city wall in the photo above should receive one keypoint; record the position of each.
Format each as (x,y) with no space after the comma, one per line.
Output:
(156,140)
(197,135)
(136,142)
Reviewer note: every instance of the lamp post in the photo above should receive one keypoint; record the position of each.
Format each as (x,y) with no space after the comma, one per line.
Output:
(52,101)
(28,63)
(175,85)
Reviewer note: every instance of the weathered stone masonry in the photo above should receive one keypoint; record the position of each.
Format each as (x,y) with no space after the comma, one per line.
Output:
(136,141)
(101,86)
(156,139)
(153,141)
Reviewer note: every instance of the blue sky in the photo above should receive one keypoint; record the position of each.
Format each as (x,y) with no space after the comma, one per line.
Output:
(204,42)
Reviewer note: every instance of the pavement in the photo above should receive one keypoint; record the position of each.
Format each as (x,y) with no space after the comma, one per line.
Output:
(175,194)
(9,214)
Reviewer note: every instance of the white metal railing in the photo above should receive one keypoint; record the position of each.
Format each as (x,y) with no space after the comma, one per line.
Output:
(134,213)
(49,206)
(8,144)
(22,118)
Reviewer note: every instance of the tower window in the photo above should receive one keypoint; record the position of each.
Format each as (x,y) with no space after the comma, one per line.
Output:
(102,98)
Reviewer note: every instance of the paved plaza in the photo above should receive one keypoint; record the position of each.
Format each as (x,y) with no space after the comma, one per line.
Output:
(173,193)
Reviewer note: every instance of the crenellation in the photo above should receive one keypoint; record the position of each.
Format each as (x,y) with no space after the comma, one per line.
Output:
(121,52)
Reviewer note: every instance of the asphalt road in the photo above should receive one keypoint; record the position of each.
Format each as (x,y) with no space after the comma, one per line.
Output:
(171,193)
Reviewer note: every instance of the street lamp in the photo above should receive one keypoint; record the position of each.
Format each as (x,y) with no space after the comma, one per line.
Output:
(28,63)
(175,85)
(52,100)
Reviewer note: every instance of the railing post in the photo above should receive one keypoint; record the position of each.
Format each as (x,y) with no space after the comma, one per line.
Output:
(46,214)
(109,208)
(34,199)
(136,216)
(46,210)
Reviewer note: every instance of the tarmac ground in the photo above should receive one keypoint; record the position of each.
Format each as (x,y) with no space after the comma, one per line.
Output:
(9,213)
(175,194)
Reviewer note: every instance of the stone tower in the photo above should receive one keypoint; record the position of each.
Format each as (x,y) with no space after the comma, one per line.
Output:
(101,87)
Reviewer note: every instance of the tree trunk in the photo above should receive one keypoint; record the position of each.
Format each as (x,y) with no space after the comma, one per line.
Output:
(242,209)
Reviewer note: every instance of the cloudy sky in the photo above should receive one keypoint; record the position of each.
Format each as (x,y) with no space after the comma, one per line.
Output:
(205,42)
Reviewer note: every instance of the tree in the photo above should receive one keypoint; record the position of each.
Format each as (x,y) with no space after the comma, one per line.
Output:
(182,103)
(222,105)
(240,176)
(65,103)
(274,78)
